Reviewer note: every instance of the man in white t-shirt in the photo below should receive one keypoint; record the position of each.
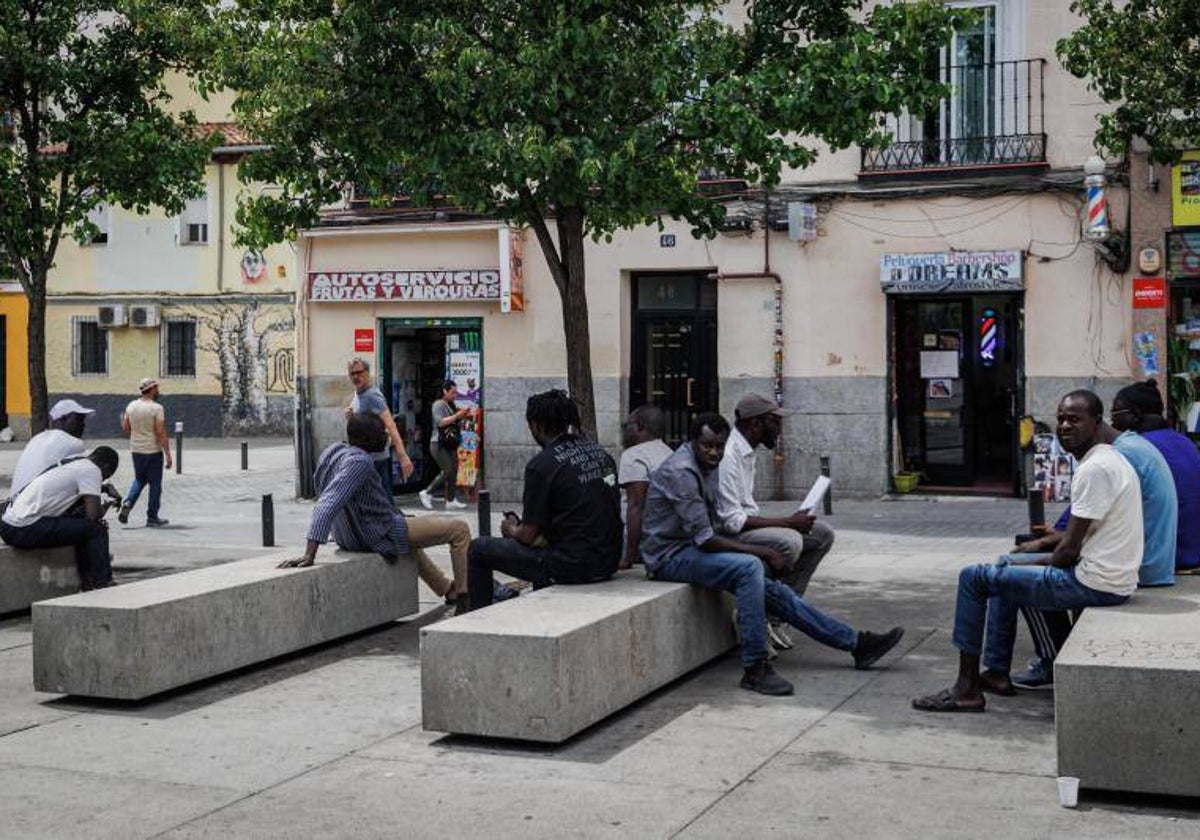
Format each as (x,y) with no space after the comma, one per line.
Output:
(62,440)
(145,421)
(1094,565)
(62,507)
(644,452)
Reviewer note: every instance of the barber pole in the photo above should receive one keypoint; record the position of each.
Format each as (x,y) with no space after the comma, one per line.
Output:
(1097,201)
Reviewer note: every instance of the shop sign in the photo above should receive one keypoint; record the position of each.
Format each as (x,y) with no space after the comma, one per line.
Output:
(1185,190)
(952,271)
(472,284)
(1149,293)
(364,341)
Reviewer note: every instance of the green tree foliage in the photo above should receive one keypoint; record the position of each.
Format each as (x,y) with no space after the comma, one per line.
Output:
(576,118)
(88,122)
(1143,56)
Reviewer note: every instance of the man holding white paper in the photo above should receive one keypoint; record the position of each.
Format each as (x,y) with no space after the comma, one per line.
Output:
(800,538)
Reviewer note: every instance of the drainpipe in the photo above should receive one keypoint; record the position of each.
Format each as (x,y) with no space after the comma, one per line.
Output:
(220,226)
(777,341)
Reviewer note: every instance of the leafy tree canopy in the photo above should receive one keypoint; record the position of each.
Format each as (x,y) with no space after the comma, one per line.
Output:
(1144,57)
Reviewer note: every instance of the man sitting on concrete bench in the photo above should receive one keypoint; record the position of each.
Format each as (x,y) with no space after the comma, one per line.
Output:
(354,505)
(571,526)
(1095,564)
(62,507)
(63,439)
(680,544)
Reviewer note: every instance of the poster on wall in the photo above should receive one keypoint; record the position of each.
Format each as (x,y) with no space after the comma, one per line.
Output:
(465,367)
(1052,469)
(1185,190)
(512,270)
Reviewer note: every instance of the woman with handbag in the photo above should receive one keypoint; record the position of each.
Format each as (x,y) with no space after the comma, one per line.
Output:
(443,446)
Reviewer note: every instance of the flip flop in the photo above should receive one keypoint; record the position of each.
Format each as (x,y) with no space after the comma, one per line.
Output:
(943,701)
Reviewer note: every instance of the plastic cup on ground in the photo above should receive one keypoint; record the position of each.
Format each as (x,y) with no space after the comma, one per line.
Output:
(1068,791)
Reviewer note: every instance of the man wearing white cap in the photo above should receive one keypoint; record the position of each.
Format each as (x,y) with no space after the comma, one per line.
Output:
(63,439)
(146,424)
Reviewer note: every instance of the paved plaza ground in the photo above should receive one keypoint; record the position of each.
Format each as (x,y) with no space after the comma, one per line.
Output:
(328,743)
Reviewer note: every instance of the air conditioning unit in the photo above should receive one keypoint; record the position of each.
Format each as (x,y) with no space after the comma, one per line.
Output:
(144,316)
(111,316)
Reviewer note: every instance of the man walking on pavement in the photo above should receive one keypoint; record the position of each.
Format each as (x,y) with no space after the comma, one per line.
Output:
(800,538)
(370,400)
(146,424)
(63,439)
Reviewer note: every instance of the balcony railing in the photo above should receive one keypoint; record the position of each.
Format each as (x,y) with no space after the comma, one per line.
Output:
(994,116)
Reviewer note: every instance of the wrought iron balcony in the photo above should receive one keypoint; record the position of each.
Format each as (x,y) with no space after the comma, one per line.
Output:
(994,117)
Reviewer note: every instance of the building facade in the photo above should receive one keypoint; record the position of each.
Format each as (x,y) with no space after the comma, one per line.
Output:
(912,303)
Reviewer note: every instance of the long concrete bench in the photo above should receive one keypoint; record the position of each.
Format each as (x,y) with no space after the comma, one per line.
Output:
(133,641)
(1126,693)
(33,575)
(551,663)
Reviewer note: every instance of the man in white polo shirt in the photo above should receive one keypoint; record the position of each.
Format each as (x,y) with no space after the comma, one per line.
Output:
(62,507)
(1094,565)
(146,424)
(62,440)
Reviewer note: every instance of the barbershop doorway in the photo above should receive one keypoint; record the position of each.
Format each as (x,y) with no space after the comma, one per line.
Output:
(675,347)
(957,372)
(416,356)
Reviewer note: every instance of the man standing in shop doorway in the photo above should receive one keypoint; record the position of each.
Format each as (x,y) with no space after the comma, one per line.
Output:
(146,424)
(369,400)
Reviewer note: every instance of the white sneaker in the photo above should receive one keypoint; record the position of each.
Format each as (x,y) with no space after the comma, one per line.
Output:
(778,636)
(426,500)
(455,504)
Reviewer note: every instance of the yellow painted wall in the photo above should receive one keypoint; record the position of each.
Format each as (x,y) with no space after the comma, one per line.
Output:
(15,308)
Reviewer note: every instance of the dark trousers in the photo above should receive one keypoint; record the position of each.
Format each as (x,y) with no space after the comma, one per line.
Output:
(147,472)
(540,566)
(1049,629)
(384,467)
(89,537)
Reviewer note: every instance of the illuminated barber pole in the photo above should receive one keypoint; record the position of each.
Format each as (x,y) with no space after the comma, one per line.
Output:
(1097,202)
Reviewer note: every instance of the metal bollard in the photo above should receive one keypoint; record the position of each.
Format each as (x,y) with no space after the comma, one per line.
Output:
(485,513)
(829,492)
(245,455)
(268,520)
(178,447)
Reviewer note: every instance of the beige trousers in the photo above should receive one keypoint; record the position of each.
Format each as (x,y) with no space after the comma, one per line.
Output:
(427,531)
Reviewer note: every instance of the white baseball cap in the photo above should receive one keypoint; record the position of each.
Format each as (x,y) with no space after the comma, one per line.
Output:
(64,407)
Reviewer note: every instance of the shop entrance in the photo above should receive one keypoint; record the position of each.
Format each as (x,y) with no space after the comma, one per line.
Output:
(957,365)
(416,356)
(675,347)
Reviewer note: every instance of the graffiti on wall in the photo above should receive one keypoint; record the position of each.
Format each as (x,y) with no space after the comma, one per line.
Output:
(243,339)
(282,374)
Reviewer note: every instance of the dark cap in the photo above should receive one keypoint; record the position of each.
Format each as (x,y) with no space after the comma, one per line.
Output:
(756,405)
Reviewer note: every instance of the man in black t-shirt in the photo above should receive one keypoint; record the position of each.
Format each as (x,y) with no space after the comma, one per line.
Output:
(571,530)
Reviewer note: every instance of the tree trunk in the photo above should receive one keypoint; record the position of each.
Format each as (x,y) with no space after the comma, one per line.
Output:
(38,408)
(573,292)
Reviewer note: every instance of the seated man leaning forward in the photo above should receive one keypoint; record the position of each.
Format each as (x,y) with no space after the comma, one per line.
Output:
(571,526)
(1095,564)
(680,544)
(62,507)
(354,505)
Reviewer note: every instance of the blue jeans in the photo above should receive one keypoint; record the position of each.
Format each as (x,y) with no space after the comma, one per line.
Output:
(147,471)
(756,594)
(384,467)
(990,595)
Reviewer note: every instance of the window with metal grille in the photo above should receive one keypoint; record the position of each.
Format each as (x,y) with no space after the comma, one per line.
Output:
(179,347)
(89,356)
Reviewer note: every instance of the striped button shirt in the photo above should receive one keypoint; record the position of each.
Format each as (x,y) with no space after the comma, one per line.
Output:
(354,505)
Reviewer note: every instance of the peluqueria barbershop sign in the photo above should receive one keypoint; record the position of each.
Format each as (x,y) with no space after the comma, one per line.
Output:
(952,271)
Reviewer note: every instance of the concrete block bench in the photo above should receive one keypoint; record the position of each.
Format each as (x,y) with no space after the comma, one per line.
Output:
(551,663)
(1126,686)
(133,641)
(28,575)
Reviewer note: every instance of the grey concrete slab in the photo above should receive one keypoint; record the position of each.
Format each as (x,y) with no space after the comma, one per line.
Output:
(36,802)
(549,664)
(364,798)
(1125,685)
(131,642)
(35,575)
(833,796)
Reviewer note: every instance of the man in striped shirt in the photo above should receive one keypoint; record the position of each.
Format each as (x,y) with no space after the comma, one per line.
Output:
(356,508)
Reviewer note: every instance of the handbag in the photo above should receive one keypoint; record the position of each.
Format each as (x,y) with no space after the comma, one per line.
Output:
(450,436)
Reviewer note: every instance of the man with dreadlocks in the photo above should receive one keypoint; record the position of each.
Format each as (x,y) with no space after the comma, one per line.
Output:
(570,531)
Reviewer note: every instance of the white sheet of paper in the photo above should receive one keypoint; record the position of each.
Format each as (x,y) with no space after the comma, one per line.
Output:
(939,364)
(816,494)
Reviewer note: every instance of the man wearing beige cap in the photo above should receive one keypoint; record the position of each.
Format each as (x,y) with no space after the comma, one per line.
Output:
(146,424)
(800,538)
